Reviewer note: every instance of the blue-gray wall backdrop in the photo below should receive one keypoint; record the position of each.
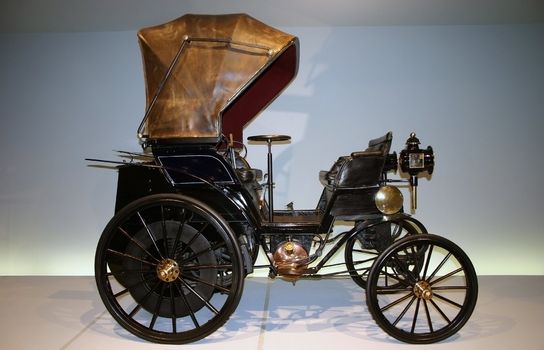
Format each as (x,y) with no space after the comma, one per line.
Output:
(475,93)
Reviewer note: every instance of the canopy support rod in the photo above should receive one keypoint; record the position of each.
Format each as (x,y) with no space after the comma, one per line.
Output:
(162,84)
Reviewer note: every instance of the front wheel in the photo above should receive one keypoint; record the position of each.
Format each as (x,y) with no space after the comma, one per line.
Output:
(362,250)
(169,269)
(436,291)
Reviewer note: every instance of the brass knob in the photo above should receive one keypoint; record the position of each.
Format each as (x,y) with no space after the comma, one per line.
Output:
(289,247)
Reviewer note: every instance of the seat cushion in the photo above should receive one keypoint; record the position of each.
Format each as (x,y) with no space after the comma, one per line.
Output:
(326,177)
(249,175)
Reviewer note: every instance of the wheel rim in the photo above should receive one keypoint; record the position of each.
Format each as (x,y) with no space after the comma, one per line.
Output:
(160,269)
(360,255)
(436,289)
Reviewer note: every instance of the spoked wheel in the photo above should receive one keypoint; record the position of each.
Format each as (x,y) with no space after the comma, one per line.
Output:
(362,250)
(431,303)
(169,269)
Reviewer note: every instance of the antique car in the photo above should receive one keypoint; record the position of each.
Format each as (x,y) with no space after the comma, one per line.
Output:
(191,214)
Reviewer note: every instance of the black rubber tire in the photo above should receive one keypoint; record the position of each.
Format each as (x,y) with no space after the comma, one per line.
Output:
(135,247)
(431,303)
(359,260)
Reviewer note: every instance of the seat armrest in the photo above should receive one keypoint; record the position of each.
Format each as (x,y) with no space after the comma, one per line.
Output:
(366,154)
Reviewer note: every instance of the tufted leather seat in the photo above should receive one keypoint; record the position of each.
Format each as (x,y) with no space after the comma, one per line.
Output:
(360,168)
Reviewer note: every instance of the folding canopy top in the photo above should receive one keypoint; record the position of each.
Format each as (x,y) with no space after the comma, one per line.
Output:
(208,75)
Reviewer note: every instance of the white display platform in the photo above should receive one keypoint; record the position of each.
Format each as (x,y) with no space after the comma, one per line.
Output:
(67,313)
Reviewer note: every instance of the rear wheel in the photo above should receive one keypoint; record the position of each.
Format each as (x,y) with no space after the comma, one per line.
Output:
(436,293)
(169,269)
(362,250)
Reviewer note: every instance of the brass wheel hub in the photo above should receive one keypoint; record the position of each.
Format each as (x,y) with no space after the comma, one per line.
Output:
(423,290)
(168,270)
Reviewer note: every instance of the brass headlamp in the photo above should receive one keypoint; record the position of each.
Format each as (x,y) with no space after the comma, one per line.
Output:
(389,200)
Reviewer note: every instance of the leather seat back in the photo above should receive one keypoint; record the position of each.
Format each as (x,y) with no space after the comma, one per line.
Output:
(362,168)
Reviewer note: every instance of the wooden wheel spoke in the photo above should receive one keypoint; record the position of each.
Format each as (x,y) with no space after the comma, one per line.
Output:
(137,308)
(401,315)
(426,268)
(446,276)
(414,322)
(435,288)
(188,306)
(396,277)
(192,290)
(199,280)
(447,300)
(138,243)
(125,255)
(172,307)
(391,290)
(207,250)
(150,234)
(164,233)
(157,307)
(135,285)
(396,302)
(120,293)
(173,253)
(439,266)
(440,311)
(144,299)
(125,272)
(402,266)
(191,241)
(428,314)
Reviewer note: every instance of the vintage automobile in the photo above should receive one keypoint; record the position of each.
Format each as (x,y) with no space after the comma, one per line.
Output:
(191,214)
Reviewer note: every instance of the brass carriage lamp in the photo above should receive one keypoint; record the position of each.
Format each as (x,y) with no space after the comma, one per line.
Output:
(415,161)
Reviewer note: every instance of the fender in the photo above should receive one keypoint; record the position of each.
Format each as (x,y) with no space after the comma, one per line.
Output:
(363,225)
(135,182)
